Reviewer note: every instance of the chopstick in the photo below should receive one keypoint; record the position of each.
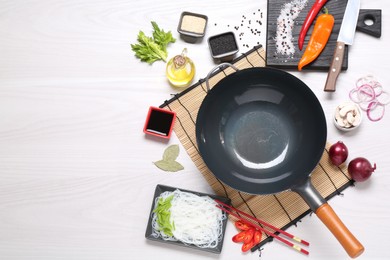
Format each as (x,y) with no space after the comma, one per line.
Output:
(229,211)
(294,246)
(265,223)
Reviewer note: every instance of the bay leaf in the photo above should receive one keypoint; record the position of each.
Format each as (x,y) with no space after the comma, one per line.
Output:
(171,153)
(169,166)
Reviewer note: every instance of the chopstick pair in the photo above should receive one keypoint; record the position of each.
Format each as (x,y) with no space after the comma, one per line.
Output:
(230,210)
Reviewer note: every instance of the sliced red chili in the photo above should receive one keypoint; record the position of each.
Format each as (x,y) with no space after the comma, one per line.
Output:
(241,225)
(248,236)
(239,237)
(256,237)
(246,246)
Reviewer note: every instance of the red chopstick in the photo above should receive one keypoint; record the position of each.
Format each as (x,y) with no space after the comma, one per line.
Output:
(296,247)
(265,223)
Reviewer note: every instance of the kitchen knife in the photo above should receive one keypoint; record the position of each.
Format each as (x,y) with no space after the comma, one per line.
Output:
(346,35)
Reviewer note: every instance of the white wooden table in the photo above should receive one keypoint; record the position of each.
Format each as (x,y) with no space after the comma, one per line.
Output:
(76,171)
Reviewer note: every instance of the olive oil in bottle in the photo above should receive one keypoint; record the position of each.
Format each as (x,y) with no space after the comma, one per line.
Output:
(180,70)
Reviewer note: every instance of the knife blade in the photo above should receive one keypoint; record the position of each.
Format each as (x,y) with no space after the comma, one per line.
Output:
(345,37)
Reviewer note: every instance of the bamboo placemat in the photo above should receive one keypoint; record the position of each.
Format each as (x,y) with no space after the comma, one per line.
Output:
(281,210)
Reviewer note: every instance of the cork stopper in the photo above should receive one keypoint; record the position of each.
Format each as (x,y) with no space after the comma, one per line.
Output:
(180,60)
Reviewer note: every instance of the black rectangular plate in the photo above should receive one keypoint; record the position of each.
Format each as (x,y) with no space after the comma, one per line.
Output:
(162,188)
(335,7)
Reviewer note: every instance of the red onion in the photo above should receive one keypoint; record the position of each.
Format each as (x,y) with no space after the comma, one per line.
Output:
(360,169)
(338,153)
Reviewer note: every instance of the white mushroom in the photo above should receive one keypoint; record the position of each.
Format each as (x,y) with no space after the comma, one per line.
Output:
(351,117)
(347,115)
(347,108)
(339,119)
(358,118)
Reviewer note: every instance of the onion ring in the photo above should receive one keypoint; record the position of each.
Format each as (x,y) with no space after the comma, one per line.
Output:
(370,80)
(371,107)
(368,105)
(351,96)
(387,101)
(366,94)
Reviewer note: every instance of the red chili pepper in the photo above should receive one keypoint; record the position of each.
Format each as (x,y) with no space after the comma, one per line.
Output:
(239,237)
(256,237)
(317,6)
(246,246)
(248,235)
(241,225)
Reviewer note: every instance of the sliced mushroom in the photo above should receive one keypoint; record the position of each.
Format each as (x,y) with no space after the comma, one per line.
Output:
(347,108)
(347,115)
(351,117)
(358,118)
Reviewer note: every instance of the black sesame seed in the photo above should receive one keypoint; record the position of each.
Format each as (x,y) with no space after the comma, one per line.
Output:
(223,44)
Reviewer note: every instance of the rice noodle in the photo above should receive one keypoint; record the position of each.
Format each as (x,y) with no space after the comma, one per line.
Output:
(196,220)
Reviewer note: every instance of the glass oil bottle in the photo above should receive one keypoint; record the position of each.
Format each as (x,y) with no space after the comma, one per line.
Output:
(180,70)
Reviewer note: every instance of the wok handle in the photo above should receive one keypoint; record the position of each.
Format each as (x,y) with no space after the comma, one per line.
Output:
(220,67)
(351,245)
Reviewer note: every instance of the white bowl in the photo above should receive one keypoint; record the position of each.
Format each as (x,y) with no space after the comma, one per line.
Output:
(355,117)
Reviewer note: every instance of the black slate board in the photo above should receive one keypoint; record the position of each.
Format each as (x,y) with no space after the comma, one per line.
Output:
(335,7)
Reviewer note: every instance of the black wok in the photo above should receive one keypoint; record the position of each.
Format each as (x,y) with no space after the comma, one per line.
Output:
(263,131)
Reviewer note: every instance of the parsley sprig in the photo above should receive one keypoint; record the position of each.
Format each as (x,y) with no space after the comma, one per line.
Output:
(151,49)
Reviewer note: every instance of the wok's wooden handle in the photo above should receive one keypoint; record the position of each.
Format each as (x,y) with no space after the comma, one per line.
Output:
(351,245)
(335,67)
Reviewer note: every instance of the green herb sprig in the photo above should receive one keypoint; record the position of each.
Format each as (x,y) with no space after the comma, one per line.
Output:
(151,49)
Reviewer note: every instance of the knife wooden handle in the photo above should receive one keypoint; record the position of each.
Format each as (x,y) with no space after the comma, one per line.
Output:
(335,67)
(351,245)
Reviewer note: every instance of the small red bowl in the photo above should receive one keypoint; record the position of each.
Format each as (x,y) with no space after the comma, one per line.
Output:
(159,122)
